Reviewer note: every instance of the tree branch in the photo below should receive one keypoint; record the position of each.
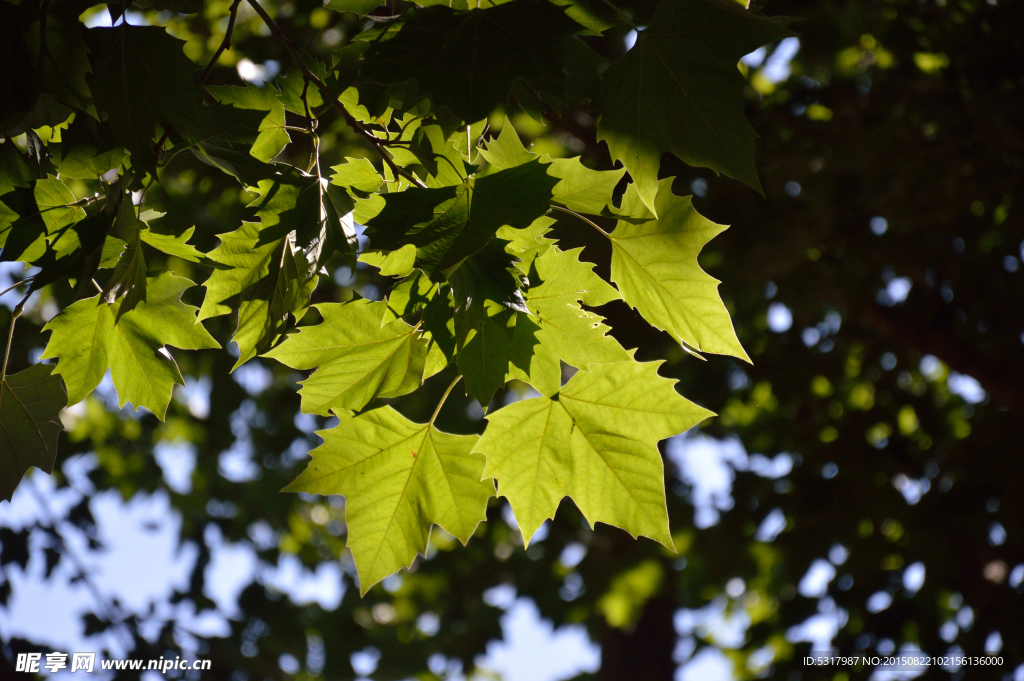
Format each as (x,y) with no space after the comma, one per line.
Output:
(107,609)
(328,96)
(224,45)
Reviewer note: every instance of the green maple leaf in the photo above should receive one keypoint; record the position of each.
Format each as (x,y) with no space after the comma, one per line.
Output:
(484,333)
(679,91)
(313,209)
(398,263)
(295,95)
(471,61)
(129,276)
(30,404)
(409,295)
(360,7)
(14,171)
(494,273)
(87,339)
(172,244)
(357,173)
(54,198)
(449,224)
(234,158)
(7,219)
(399,478)
(487,297)
(431,147)
(595,441)
(654,264)
(63,57)
(593,15)
(263,280)
(528,243)
(555,329)
(87,163)
(356,358)
(273,136)
(23,233)
(144,78)
(578,188)
(415,293)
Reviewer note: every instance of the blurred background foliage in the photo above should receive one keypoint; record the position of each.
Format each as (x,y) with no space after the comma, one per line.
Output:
(856,490)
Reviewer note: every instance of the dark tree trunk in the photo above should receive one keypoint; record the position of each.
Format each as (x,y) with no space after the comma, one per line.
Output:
(645,652)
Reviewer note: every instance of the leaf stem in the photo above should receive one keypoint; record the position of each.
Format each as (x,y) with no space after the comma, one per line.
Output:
(328,96)
(586,220)
(16,285)
(444,398)
(10,333)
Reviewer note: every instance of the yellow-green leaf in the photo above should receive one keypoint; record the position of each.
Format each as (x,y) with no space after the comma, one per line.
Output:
(399,478)
(356,359)
(654,264)
(595,441)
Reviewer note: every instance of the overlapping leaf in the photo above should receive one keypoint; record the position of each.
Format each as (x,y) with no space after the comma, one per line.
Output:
(471,61)
(679,91)
(487,299)
(56,204)
(355,357)
(449,224)
(357,173)
(30,404)
(87,342)
(595,441)
(399,478)
(265,281)
(654,264)
(129,276)
(555,329)
(483,287)
(143,78)
(578,188)
(273,137)
(172,244)
(312,209)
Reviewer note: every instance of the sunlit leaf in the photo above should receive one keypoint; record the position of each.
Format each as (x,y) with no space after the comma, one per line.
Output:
(595,441)
(356,358)
(449,224)
(399,478)
(87,342)
(578,188)
(654,264)
(263,282)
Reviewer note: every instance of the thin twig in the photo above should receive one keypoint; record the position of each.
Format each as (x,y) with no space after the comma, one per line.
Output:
(106,609)
(224,45)
(586,220)
(16,285)
(325,92)
(443,398)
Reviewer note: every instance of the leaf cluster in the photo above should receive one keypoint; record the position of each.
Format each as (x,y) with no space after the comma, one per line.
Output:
(457,214)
